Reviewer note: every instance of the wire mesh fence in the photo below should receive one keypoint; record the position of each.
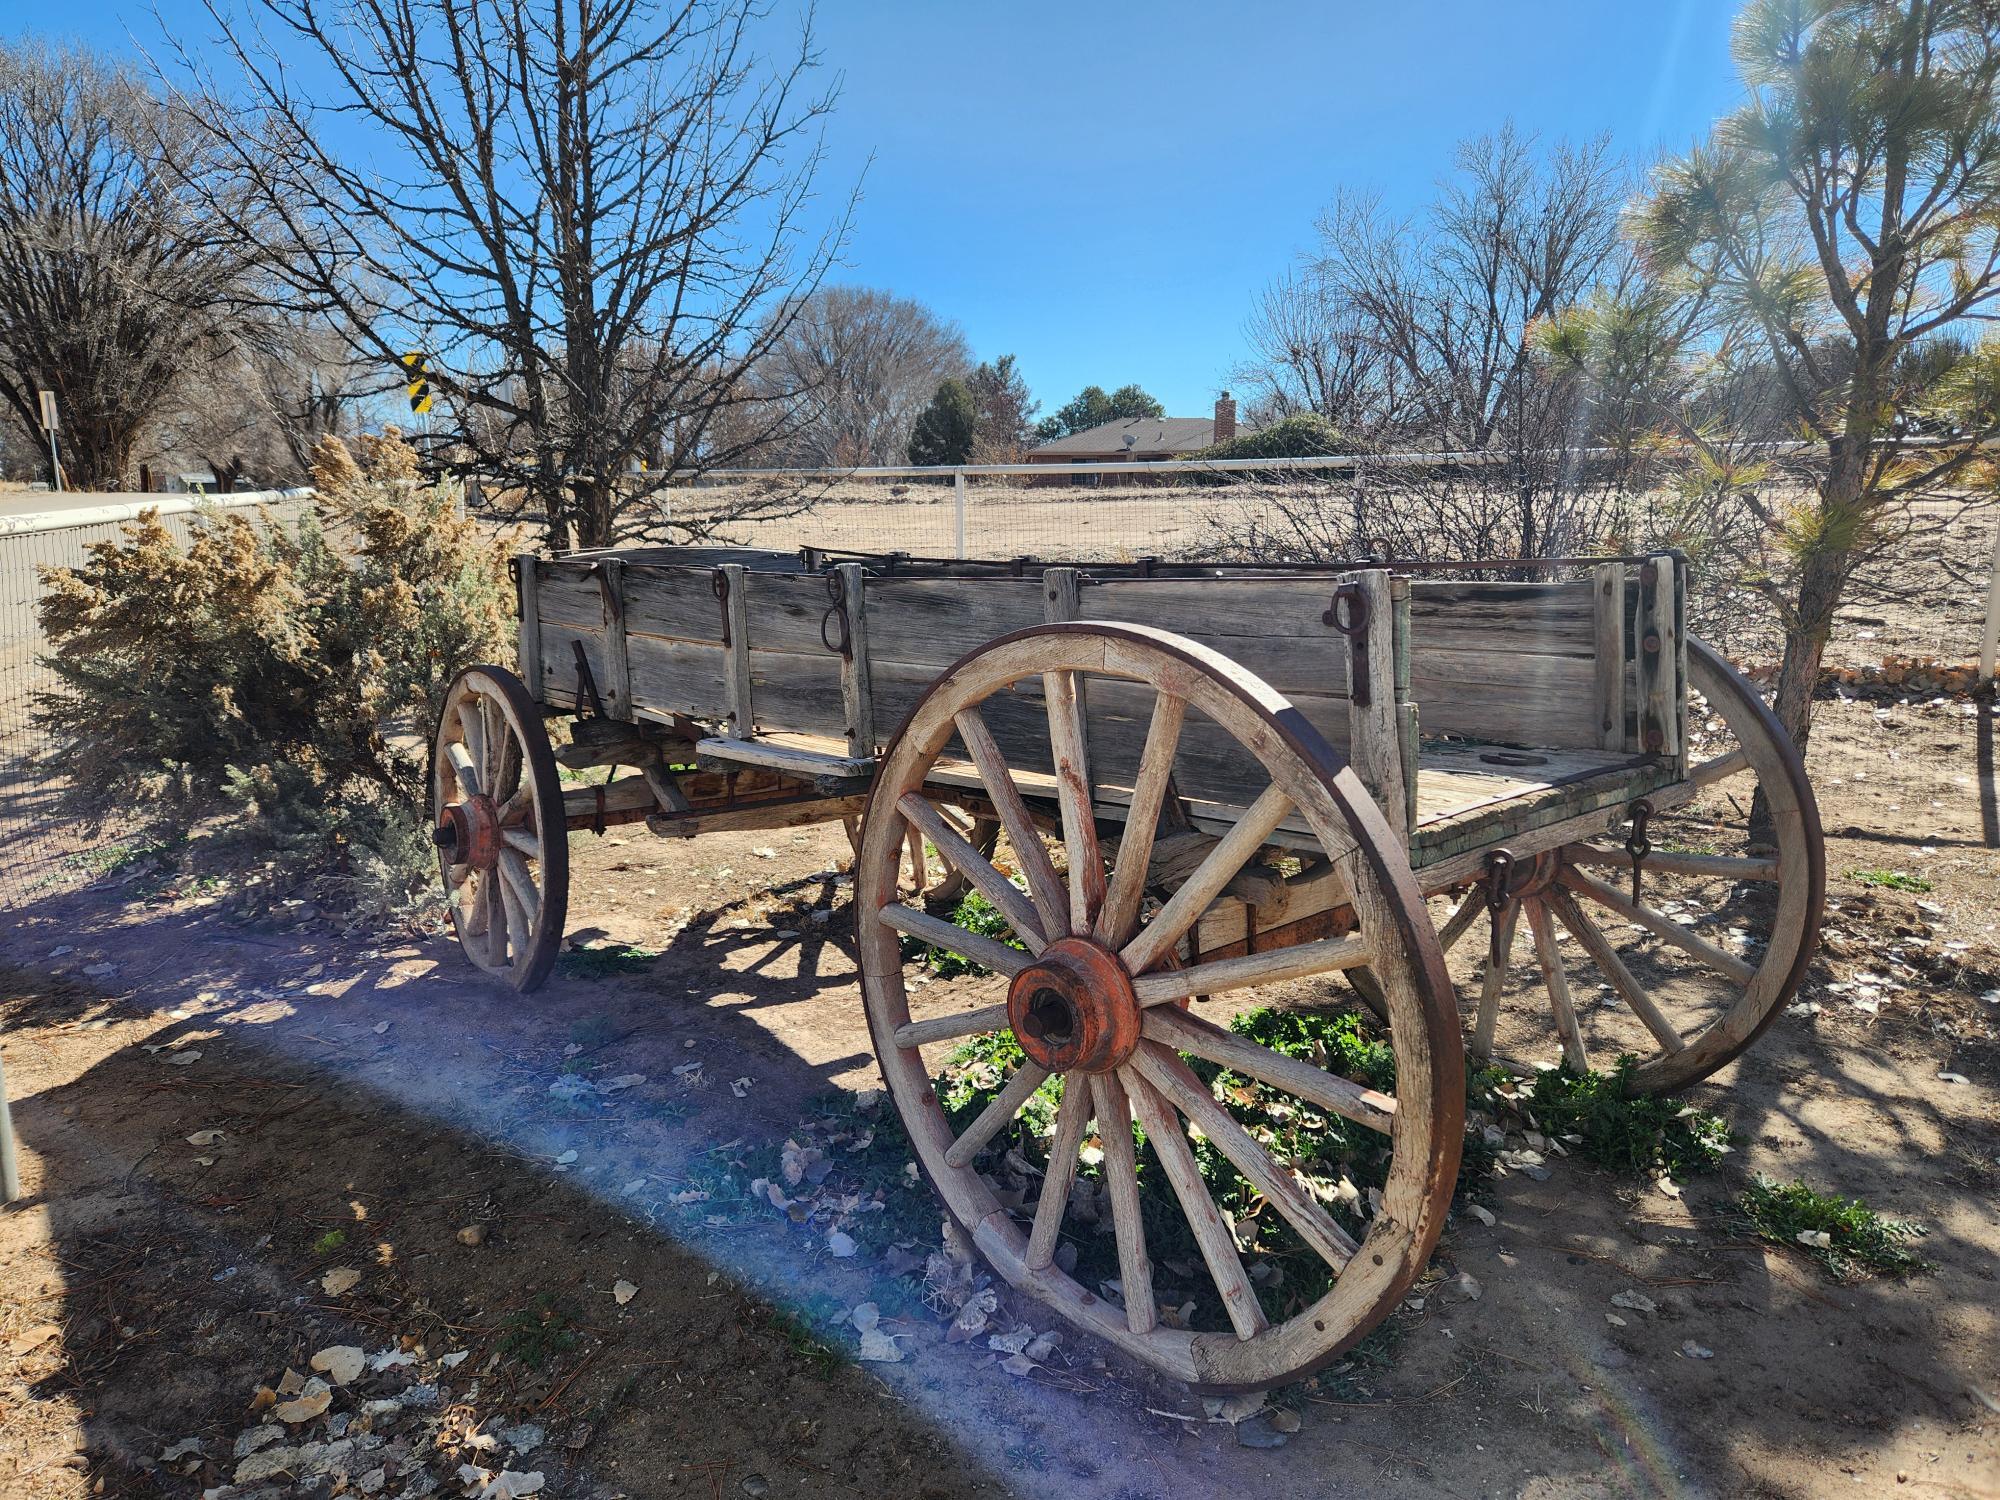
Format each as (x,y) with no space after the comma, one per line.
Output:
(44,849)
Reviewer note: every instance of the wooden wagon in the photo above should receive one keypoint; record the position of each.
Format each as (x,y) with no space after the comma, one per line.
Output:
(1203,780)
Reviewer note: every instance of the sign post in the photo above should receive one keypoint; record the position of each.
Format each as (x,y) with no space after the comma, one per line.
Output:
(51,424)
(10,1172)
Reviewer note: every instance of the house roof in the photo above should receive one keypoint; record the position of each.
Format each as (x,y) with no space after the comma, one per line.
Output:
(1149,434)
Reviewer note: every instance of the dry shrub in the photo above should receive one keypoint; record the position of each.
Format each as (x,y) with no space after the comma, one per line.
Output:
(286,678)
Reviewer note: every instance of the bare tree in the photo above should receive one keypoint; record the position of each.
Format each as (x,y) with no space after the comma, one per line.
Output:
(1311,351)
(589,216)
(856,365)
(115,285)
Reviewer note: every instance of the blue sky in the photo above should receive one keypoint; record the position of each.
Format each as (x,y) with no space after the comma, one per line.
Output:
(1102,189)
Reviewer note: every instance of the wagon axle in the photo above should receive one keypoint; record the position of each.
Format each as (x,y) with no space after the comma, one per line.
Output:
(468,832)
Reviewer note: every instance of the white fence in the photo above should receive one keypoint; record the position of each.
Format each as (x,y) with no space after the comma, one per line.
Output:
(42,849)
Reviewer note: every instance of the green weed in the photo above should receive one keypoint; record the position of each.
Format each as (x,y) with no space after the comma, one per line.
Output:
(329,1242)
(607,960)
(1642,1135)
(1891,880)
(1847,1237)
(537,1333)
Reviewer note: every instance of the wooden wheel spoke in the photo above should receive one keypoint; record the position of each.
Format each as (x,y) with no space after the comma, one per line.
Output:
(1121,1182)
(1211,1235)
(1181,1032)
(1072,768)
(999,1111)
(960,855)
(1493,981)
(520,881)
(1661,926)
(1598,946)
(475,909)
(1072,1121)
(1120,912)
(462,766)
(955,939)
(1184,908)
(520,803)
(1721,767)
(1671,862)
(1461,920)
(920,874)
(1047,891)
(472,725)
(522,843)
(1557,983)
(1180,1087)
(950,1028)
(1296,962)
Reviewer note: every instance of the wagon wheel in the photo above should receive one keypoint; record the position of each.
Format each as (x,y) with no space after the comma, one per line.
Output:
(503,841)
(1728,912)
(1092,1002)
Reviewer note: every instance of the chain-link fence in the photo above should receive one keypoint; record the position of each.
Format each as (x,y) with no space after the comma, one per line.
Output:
(43,849)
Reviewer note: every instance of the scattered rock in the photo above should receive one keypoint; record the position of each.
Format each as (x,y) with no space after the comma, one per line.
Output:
(1692,1350)
(755,1484)
(472,1234)
(1634,1302)
(1261,1432)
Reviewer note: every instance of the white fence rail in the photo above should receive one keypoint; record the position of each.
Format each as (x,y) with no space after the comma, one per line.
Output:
(43,850)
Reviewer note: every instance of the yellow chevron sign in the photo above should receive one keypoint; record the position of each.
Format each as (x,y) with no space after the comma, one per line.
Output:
(419,385)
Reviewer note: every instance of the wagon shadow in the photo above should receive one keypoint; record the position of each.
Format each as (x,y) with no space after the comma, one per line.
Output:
(179,1284)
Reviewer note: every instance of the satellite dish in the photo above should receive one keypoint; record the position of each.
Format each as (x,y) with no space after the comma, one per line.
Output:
(1131,441)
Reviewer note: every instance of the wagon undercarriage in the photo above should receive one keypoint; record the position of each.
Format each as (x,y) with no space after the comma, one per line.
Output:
(1177,786)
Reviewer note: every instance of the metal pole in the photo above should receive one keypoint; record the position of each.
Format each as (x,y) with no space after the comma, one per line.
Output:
(55,461)
(10,1172)
(1990,643)
(958,509)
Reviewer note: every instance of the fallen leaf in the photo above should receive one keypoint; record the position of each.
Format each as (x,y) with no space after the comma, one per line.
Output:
(623,1292)
(1634,1302)
(879,1347)
(40,1334)
(339,1363)
(1483,1215)
(1668,1186)
(381,1028)
(204,1138)
(182,1058)
(309,1403)
(566,1158)
(1817,1239)
(840,1244)
(339,1279)
(865,1316)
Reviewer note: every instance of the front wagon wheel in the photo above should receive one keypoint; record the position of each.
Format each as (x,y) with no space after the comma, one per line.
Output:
(1098,1002)
(498,823)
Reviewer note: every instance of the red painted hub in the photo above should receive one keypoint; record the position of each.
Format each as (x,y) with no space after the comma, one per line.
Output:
(469,832)
(1073,1009)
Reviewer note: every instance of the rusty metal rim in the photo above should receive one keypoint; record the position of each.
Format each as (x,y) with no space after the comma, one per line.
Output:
(1398,884)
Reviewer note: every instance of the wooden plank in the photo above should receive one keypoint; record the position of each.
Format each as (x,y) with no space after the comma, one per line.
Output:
(525,569)
(736,677)
(1406,706)
(616,687)
(775,812)
(1657,656)
(792,760)
(1608,607)
(856,689)
(1374,750)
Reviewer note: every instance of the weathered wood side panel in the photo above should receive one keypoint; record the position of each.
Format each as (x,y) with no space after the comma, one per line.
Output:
(1513,663)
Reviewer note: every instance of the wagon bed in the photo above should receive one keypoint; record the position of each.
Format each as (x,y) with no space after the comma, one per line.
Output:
(1207,780)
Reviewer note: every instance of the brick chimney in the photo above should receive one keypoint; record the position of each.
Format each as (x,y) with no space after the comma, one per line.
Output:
(1225,418)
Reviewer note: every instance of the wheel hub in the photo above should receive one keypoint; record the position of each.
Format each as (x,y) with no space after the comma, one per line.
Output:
(469,832)
(1074,1010)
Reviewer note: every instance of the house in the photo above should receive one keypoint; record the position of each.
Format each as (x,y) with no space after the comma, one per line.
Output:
(1135,440)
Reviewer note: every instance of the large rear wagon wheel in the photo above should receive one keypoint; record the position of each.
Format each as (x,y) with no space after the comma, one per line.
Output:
(1098,997)
(498,822)
(1726,920)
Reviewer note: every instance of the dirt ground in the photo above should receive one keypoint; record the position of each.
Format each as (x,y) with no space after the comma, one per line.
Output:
(384,1112)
